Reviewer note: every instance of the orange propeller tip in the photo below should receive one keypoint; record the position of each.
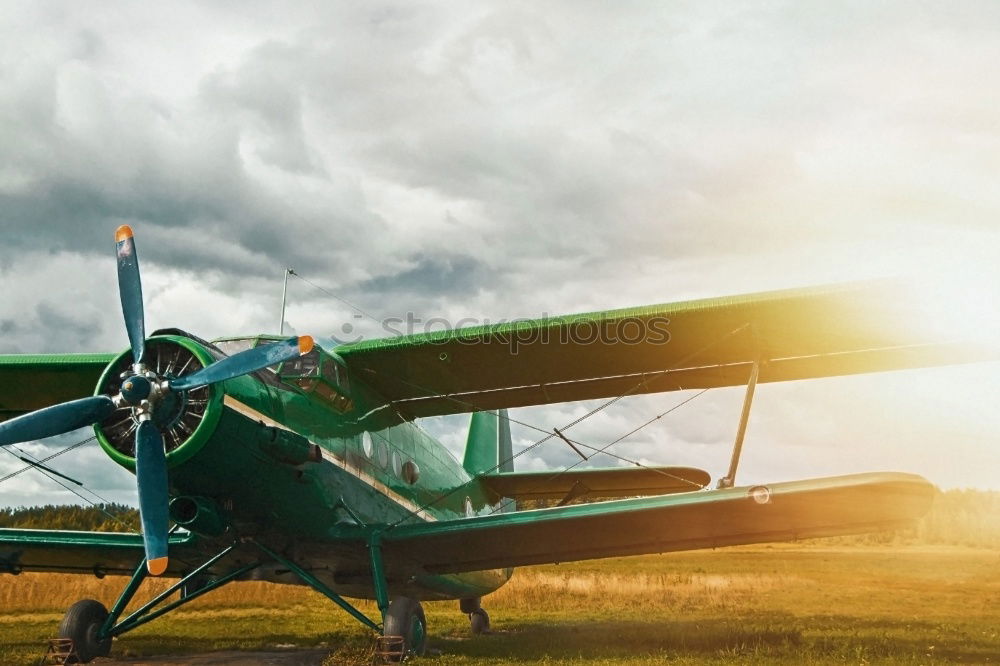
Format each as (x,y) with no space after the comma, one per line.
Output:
(305,344)
(158,566)
(123,232)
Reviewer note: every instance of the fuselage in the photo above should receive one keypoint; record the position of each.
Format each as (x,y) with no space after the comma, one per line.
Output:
(295,456)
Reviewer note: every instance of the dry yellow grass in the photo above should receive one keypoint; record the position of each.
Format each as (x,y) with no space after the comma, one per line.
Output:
(762,605)
(50,593)
(535,588)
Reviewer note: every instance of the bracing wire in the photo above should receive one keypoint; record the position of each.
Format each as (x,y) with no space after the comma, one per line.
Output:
(86,499)
(647,379)
(338,298)
(656,418)
(48,458)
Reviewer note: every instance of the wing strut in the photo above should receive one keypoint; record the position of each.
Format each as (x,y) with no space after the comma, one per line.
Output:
(730,479)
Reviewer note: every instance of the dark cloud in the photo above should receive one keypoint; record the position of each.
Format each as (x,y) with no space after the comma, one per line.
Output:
(449,277)
(70,327)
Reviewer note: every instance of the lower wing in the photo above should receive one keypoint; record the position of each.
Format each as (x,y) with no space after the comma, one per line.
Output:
(778,512)
(97,553)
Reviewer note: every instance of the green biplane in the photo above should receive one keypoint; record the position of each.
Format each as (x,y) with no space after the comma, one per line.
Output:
(280,461)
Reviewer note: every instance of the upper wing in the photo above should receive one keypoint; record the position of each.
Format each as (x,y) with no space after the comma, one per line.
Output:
(782,512)
(32,381)
(96,553)
(797,334)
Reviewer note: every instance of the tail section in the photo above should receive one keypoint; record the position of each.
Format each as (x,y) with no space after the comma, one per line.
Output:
(489,449)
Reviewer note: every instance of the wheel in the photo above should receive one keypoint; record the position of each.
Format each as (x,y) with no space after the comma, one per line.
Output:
(81,623)
(480,620)
(405,618)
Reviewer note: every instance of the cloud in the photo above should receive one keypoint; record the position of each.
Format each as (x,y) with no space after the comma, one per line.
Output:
(490,161)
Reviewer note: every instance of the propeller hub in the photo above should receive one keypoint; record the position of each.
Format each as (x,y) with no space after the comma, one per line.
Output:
(136,389)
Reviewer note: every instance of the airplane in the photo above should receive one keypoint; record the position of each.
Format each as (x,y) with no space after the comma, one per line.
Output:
(279,460)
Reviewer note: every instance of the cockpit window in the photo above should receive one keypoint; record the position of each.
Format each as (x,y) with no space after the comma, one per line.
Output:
(230,347)
(303,366)
(336,374)
(237,345)
(319,374)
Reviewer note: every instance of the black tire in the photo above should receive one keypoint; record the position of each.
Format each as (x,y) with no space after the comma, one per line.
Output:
(81,623)
(405,618)
(480,621)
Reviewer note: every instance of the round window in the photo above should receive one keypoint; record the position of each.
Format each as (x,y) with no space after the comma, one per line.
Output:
(382,453)
(469,511)
(366,443)
(397,464)
(410,472)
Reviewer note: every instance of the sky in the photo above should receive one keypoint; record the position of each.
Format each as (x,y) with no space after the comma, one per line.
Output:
(497,160)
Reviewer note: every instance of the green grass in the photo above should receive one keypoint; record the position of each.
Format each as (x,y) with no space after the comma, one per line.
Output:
(786,604)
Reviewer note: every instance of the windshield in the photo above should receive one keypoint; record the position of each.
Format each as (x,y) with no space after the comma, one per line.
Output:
(302,366)
(230,347)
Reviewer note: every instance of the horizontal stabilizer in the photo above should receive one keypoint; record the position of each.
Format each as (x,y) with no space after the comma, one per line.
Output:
(614,482)
(778,512)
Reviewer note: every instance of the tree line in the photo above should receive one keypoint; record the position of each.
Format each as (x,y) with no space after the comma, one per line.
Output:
(111,517)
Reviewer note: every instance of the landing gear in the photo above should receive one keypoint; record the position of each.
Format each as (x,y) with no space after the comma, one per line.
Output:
(479,619)
(82,623)
(405,618)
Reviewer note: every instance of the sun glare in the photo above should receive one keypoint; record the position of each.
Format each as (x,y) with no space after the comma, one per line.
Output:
(958,303)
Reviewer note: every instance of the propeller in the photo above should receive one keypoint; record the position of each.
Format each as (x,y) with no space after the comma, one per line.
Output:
(56,419)
(143,390)
(151,478)
(130,291)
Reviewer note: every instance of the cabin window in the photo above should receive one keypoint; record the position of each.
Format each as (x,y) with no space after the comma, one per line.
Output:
(382,452)
(366,444)
(397,464)
(410,472)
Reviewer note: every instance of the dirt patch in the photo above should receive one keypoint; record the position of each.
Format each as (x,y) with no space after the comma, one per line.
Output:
(313,657)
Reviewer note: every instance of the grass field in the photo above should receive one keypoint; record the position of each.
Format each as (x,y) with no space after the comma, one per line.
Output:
(787,604)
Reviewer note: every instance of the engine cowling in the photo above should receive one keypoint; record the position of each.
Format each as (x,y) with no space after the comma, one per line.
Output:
(186,419)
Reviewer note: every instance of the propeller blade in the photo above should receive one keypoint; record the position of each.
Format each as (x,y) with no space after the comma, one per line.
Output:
(245,362)
(130,289)
(56,419)
(151,476)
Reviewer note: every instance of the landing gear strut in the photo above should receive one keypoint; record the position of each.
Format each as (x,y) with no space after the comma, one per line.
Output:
(479,619)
